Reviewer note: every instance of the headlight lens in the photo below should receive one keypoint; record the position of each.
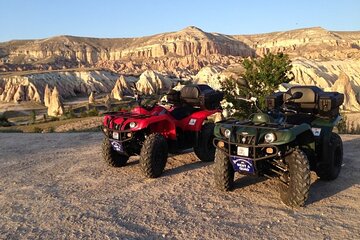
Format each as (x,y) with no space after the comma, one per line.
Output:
(132,124)
(270,137)
(227,133)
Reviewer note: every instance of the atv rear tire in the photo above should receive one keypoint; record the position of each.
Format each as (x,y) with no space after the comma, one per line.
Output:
(296,192)
(153,155)
(204,149)
(223,171)
(111,157)
(331,170)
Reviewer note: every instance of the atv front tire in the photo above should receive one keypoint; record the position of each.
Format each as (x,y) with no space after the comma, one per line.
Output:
(331,169)
(111,157)
(153,155)
(295,192)
(204,149)
(223,171)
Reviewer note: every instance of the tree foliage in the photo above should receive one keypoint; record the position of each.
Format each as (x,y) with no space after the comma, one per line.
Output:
(262,76)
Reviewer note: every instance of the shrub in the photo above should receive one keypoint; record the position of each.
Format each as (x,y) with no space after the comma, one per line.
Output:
(70,113)
(32,117)
(262,77)
(37,130)
(93,112)
(4,122)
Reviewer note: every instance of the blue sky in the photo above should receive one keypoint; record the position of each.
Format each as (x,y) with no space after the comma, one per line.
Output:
(27,19)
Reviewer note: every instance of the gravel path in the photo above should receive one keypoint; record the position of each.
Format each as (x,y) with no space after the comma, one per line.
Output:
(56,186)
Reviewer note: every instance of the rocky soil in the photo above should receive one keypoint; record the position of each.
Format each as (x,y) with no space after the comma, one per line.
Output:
(58,187)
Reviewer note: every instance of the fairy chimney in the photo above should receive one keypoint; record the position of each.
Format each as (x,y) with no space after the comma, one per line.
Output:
(56,107)
(47,96)
(92,98)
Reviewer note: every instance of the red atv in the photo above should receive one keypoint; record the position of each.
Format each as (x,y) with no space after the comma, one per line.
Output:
(154,131)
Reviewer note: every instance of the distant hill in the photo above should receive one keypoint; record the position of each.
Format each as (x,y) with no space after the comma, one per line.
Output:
(319,56)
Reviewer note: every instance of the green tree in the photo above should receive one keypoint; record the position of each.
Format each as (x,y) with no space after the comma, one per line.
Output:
(32,116)
(343,124)
(262,76)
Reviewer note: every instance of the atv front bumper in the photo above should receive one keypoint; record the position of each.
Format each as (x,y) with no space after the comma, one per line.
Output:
(118,135)
(247,158)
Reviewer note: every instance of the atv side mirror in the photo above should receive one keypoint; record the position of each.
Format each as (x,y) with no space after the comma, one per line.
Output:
(296,95)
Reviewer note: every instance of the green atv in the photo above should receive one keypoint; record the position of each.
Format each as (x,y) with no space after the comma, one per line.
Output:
(294,136)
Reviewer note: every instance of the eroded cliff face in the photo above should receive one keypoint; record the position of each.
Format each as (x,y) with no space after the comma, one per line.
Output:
(151,82)
(63,51)
(318,58)
(31,87)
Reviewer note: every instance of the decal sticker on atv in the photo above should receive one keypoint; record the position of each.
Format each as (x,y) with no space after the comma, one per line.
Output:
(316,131)
(192,122)
(242,165)
(117,146)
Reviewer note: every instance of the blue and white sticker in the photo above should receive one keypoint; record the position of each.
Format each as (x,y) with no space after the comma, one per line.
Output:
(242,165)
(316,131)
(192,122)
(117,146)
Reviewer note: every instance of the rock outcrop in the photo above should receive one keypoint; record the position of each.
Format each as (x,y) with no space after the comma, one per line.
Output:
(91,98)
(19,94)
(56,107)
(14,89)
(151,82)
(121,87)
(68,83)
(318,58)
(343,85)
(47,96)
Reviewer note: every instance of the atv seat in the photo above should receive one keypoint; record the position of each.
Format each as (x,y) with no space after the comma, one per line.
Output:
(201,95)
(313,101)
(308,103)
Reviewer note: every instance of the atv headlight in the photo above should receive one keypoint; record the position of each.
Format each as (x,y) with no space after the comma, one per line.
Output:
(132,124)
(227,133)
(270,137)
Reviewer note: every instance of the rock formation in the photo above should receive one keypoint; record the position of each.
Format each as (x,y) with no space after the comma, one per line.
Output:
(121,87)
(318,58)
(56,107)
(68,83)
(151,82)
(211,76)
(91,98)
(19,94)
(47,96)
(343,85)
(107,101)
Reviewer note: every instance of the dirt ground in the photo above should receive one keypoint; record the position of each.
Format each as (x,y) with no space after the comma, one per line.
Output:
(56,186)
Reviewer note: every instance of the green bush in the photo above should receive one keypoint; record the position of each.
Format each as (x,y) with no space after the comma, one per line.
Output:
(261,78)
(92,112)
(11,130)
(4,122)
(32,117)
(54,119)
(37,130)
(347,127)
(83,114)
(70,113)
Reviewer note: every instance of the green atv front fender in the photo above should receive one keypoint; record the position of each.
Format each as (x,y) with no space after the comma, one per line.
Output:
(285,136)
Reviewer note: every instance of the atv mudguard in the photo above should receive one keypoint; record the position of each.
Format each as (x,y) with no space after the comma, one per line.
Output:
(195,121)
(301,133)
